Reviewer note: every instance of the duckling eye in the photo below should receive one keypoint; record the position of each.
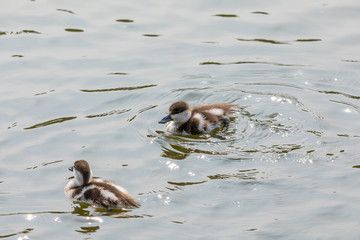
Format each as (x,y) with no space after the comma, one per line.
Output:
(177,110)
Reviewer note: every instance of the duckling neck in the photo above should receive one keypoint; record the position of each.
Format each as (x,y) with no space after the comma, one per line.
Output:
(80,180)
(174,127)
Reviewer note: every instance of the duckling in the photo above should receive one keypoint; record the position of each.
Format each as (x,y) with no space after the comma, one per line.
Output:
(196,120)
(97,192)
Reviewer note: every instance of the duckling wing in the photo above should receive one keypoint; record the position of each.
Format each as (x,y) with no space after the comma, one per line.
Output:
(217,109)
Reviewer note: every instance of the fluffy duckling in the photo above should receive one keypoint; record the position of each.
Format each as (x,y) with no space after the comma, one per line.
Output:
(97,192)
(196,120)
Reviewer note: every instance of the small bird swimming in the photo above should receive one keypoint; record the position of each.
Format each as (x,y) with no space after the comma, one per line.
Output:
(196,120)
(97,192)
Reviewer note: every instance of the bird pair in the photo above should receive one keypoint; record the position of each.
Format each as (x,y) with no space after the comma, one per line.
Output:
(183,120)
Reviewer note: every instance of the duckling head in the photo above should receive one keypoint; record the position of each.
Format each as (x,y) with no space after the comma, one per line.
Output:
(179,112)
(82,173)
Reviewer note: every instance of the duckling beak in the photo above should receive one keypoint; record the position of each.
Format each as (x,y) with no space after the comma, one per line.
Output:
(166,119)
(71,169)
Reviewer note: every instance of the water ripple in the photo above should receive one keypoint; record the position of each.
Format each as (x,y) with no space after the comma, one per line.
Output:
(253,62)
(308,40)
(340,93)
(226,15)
(50,122)
(108,113)
(151,35)
(27,230)
(262,40)
(65,10)
(44,164)
(125,20)
(260,12)
(118,89)
(247,174)
(94,215)
(76,30)
(186,183)
(19,32)
(118,73)
(31,213)
(88,230)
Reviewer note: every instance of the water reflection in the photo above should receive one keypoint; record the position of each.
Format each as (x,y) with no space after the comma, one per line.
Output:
(31,213)
(26,231)
(96,214)
(172,166)
(43,93)
(211,42)
(247,174)
(308,40)
(191,88)
(76,30)
(108,113)
(30,217)
(50,122)
(65,10)
(170,153)
(260,12)
(141,111)
(118,73)
(262,40)
(89,218)
(252,62)
(180,152)
(125,20)
(23,238)
(19,32)
(151,35)
(226,15)
(178,222)
(64,119)
(88,230)
(164,199)
(185,183)
(341,93)
(118,89)
(179,147)
(350,61)
(44,164)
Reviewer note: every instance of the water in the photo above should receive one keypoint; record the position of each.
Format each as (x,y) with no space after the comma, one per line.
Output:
(91,80)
